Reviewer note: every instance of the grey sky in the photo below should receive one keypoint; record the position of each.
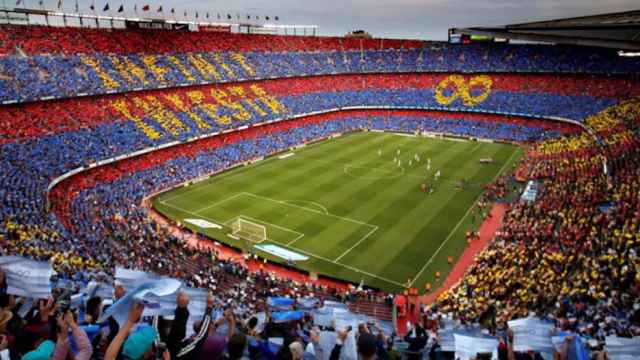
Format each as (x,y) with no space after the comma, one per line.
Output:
(421,19)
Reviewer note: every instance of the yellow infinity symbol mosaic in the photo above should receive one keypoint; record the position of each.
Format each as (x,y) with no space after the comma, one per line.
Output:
(462,89)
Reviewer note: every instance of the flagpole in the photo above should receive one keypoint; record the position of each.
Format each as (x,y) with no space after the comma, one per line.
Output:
(4,4)
(111,15)
(46,15)
(93,8)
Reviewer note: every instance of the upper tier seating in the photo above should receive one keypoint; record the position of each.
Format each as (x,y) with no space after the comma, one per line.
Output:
(44,63)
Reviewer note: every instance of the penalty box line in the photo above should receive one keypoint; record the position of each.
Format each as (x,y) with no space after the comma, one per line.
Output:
(309,209)
(290,244)
(374,228)
(298,237)
(193,213)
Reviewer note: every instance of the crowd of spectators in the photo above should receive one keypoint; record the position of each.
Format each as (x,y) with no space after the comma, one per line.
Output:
(102,208)
(57,63)
(572,255)
(209,108)
(81,320)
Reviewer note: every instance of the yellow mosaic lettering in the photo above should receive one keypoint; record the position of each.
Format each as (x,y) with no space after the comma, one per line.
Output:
(462,89)
(121,106)
(197,97)
(224,66)
(239,91)
(136,70)
(273,104)
(95,65)
(212,111)
(158,71)
(122,69)
(178,103)
(240,59)
(168,120)
(240,112)
(206,69)
(178,63)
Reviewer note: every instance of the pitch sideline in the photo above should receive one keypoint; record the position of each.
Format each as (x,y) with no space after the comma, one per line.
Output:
(460,222)
(357,270)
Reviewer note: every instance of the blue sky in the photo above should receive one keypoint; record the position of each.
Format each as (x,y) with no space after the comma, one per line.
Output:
(419,19)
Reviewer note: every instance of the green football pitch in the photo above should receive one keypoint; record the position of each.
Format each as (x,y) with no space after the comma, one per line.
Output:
(347,207)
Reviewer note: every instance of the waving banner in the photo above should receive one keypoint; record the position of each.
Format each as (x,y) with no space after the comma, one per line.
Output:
(576,347)
(286,316)
(100,289)
(148,290)
(622,348)
(130,279)
(280,303)
(532,334)
(308,303)
(27,278)
(468,347)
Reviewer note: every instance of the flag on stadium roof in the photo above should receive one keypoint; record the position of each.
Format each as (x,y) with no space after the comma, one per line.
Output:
(160,8)
(145,7)
(276,18)
(173,10)
(18,2)
(92,7)
(59,4)
(106,7)
(207,15)
(77,6)
(121,8)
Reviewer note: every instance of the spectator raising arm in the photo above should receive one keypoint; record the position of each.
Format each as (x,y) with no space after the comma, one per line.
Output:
(134,316)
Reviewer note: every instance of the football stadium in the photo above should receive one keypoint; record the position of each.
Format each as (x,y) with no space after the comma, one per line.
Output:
(182,181)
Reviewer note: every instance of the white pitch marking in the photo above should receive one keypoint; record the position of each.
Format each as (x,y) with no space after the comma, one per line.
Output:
(458,225)
(300,235)
(324,209)
(309,209)
(306,252)
(358,243)
(218,203)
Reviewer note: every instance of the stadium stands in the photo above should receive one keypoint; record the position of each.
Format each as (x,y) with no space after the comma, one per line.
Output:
(189,104)
(573,253)
(57,63)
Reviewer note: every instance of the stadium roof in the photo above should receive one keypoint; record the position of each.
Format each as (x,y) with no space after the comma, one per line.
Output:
(615,30)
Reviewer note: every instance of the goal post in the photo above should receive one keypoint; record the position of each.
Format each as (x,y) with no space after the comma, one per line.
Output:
(248,230)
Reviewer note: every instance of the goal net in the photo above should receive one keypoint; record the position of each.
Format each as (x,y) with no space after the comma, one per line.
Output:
(248,230)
